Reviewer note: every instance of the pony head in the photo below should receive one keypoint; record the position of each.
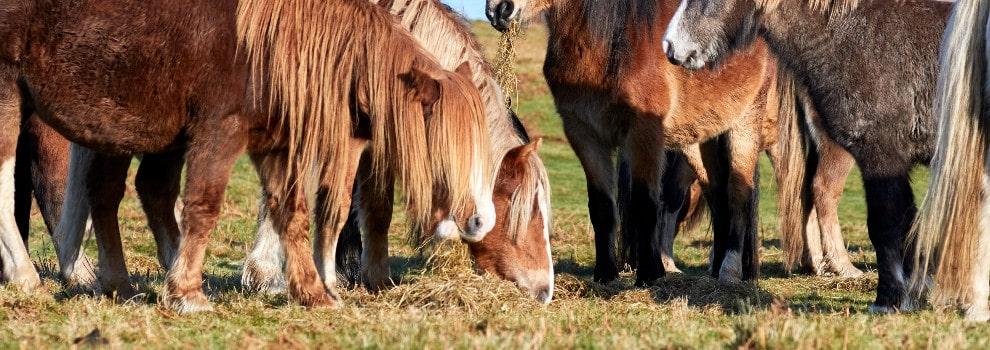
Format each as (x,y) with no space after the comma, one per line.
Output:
(501,13)
(459,152)
(518,248)
(702,32)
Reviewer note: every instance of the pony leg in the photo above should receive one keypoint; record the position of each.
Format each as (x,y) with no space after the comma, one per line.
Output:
(263,266)
(742,260)
(211,159)
(106,182)
(286,211)
(17,266)
(647,163)
(157,185)
(375,218)
(978,309)
(714,154)
(331,217)
(75,268)
(890,211)
(596,161)
(23,186)
(677,181)
(827,187)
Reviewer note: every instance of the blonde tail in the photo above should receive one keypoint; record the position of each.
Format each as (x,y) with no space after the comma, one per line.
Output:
(947,231)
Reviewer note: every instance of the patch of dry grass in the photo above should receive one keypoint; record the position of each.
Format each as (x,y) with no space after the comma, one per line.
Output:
(440,303)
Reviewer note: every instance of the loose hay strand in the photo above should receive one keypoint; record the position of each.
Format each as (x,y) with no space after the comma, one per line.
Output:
(505,61)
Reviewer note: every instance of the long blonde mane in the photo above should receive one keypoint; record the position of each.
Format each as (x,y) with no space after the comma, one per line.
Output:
(448,37)
(322,62)
(948,229)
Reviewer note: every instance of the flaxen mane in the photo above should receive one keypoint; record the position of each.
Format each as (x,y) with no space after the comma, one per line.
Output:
(314,73)
(948,228)
(440,29)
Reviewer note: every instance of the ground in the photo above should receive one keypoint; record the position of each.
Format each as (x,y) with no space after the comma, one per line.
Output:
(447,307)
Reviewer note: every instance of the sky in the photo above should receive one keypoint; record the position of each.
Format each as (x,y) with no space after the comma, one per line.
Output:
(472,9)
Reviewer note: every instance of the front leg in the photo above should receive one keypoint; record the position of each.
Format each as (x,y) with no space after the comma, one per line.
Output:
(647,160)
(595,157)
(890,211)
(106,182)
(330,217)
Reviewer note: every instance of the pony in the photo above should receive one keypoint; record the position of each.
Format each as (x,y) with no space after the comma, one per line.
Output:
(517,249)
(879,112)
(220,100)
(952,243)
(613,92)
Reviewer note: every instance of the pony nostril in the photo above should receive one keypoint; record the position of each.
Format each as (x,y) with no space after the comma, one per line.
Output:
(672,57)
(475,223)
(503,14)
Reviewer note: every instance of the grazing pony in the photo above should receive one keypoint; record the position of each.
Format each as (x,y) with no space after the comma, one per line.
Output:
(517,249)
(175,79)
(614,91)
(952,232)
(843,51)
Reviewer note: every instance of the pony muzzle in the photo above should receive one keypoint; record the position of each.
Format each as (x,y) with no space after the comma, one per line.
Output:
(446,230)
(501,14)
(479,224)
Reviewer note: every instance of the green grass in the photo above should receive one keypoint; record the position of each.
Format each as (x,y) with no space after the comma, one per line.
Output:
(434,309)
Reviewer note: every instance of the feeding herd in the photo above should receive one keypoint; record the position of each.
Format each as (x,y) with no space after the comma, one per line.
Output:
(339,103)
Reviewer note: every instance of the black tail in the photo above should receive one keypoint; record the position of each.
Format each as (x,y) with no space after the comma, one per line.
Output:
(349,245)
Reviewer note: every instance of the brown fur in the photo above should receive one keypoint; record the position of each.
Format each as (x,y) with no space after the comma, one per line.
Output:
(210,109)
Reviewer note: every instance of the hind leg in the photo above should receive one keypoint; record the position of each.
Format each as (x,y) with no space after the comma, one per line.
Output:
(375,218)
(978,309)
(288,215)
(714,154)
(599,172)
(677,181)
(157,185)
(262,271)
(646,207)
(17,266)
(742,255)
(828,185)
(106,183)
(890,211)
(75,209)
(330,217)
(214,147)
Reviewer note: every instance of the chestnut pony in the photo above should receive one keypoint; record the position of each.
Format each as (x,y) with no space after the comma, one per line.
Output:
(175,80)
(518,248)
(613,91)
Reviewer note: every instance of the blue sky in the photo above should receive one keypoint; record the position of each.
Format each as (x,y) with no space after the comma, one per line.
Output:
(473,9)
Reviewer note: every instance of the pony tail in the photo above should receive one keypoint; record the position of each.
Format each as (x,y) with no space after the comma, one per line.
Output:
(947,231)
(794,195)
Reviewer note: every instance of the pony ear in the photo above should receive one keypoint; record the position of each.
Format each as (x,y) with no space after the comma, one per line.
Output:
(426,88)
(464,70)
(516,164)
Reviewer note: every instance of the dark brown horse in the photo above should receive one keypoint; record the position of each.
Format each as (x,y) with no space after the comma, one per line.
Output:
(106,89)
(614,92)
(843,51)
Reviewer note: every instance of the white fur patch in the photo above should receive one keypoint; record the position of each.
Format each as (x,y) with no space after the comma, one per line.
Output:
(545,211)
(263,266)
(17,266)
(447,229)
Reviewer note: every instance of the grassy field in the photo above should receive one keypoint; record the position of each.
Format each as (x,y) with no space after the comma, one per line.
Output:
(451,308)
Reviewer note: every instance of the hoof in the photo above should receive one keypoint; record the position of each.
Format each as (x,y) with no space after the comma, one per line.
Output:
(977,314)
(377,281)
(731,270)
(120,292)
(192,303)
(263,278)
(328,300)
(606,273)
(670,267)
(27,281)
(882,309)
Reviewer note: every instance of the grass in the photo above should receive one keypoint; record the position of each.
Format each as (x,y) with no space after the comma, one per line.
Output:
(453,308)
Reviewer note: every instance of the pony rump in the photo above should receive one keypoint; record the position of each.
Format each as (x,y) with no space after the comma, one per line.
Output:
(948,230)
(314,73)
